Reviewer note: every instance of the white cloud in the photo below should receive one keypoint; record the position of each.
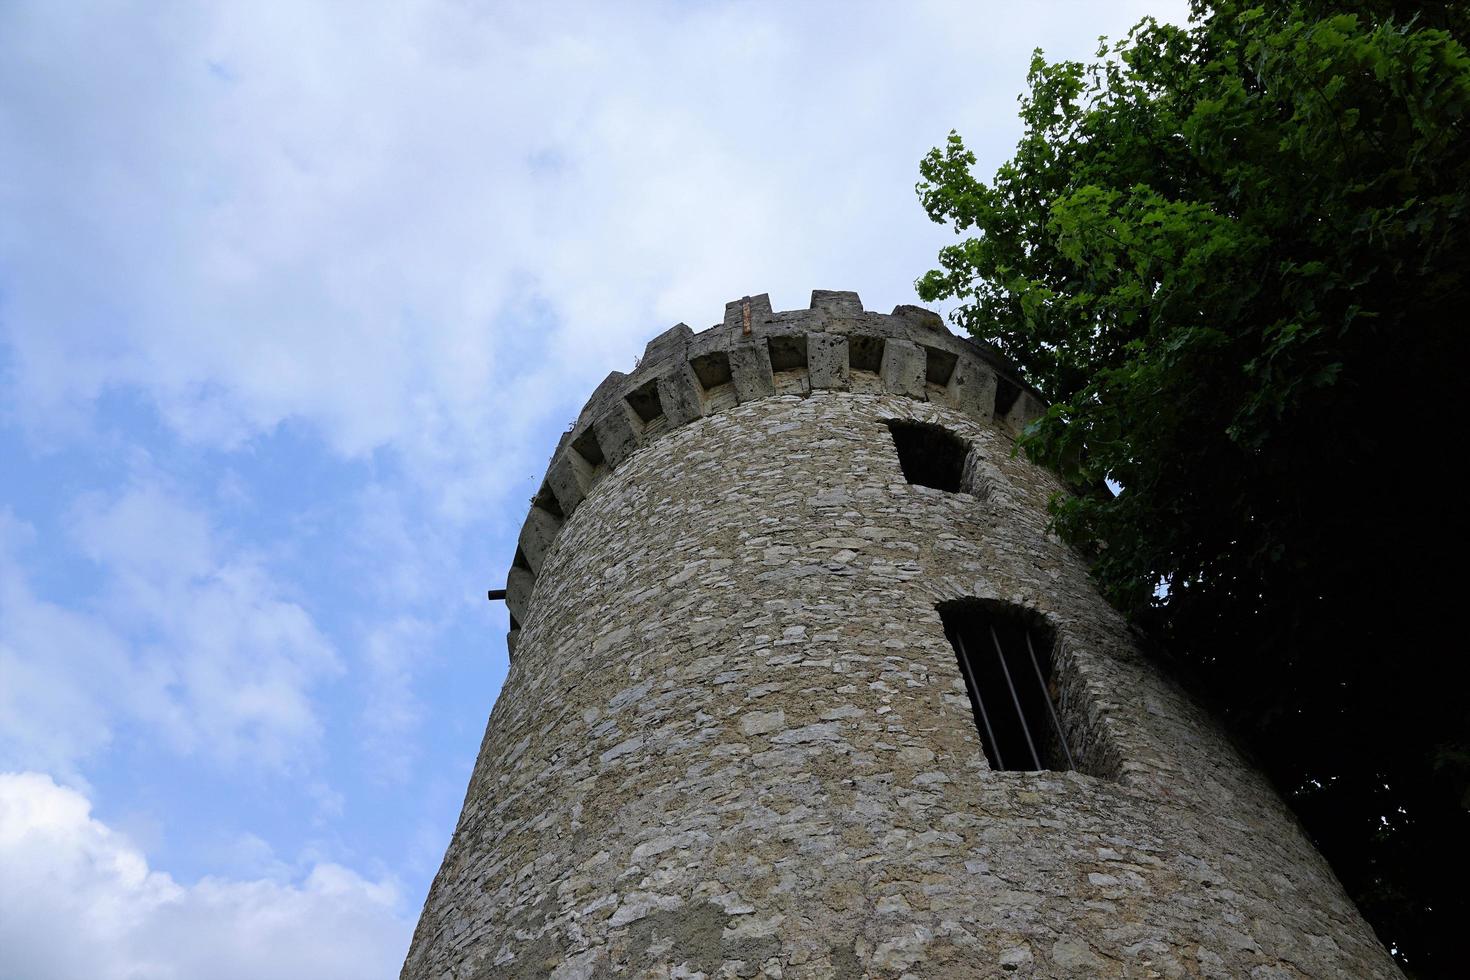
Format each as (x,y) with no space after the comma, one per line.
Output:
(78,899)
(63,674)
(234,658)
(423,225)
(391,713)
(187,640)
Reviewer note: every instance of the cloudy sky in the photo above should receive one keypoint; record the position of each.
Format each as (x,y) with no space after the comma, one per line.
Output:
(294,299)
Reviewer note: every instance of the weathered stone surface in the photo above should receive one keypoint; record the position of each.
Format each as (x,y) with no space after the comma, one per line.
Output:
(972,388)
(519,584)
(679,393)
(904,368)
(671,343)
(537,534)
(927,319)
(750,365)
(838,301)
(734,741)
(759,307)
(827,360)
(569,477)
(616,436)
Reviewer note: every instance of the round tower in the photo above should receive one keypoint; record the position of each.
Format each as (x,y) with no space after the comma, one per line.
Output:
(801,686)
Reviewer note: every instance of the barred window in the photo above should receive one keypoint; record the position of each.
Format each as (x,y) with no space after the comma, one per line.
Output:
(1005,657)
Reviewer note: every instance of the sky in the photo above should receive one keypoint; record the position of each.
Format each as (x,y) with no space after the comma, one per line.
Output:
(295,299)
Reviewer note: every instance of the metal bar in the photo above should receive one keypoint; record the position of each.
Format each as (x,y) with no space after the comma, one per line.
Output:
(959,642)
(496,594)
(1051,708)
(1015,699)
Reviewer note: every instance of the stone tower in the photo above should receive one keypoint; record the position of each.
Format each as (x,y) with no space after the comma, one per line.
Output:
(782,613)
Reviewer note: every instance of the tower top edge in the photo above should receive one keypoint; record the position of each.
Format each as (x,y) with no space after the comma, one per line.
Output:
(752,317)
(756,352)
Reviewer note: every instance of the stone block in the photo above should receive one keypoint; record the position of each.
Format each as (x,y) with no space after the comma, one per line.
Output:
(519,584)
(837,302)
(972,388)
(616,435)
(607,389)
(827,360)
(904,368)
(927,320)
(537,534)
(680,394)
(569,477)
(750,367)
(760,311)
(672,343)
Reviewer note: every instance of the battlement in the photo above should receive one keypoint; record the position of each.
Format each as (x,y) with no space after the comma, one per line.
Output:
(754,353)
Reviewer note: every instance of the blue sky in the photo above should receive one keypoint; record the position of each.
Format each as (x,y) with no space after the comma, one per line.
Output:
(294,301)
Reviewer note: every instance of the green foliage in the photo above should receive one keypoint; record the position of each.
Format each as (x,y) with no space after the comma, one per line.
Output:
(1234,256)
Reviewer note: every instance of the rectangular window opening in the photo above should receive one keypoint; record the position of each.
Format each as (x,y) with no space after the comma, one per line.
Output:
(1005,657)
(930,455)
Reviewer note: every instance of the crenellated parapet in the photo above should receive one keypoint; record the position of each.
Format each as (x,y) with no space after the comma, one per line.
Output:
(833,345)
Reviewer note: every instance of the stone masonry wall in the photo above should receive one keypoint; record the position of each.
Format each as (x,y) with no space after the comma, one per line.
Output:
(734,740)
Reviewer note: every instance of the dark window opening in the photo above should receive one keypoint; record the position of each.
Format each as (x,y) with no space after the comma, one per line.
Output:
(929,455)
(1005,657)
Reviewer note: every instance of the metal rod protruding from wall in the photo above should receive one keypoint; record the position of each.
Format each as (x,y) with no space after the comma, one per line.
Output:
(495,594)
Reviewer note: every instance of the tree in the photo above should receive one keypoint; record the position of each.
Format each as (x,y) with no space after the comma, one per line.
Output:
(1234,256)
